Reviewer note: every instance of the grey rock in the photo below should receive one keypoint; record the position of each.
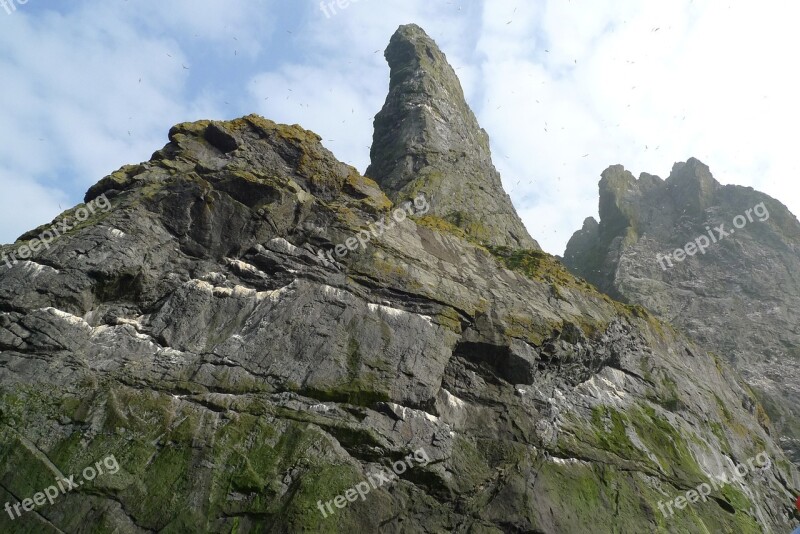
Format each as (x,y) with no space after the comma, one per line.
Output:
(739,298)
(241,380)
(427,140)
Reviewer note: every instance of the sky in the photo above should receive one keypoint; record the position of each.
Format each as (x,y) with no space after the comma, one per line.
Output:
(564,89)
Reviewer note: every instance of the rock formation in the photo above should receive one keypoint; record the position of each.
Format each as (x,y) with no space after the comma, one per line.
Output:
(734,287)
(243,381)
(428,140)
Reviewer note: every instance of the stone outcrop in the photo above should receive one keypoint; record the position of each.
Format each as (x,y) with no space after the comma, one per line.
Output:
(241,379)
(738,297)
(427,140)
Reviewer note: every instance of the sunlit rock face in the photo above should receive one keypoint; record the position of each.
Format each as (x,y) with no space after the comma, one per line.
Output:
(202,335)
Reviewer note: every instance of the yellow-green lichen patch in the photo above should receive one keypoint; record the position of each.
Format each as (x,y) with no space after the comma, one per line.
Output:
(539,266)
(731,423)
(365,188)
(450,319)
(640,312)
(529,328)
(469,463)
(439,225)
(619,501)
(364,390)
(611,434)
(471,226)
(658,446)
(609,499)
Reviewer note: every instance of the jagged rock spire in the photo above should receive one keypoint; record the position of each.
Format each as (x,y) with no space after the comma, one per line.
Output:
(427,140)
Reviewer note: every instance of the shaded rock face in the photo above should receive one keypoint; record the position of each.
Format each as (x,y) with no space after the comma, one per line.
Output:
(428,140)
(739,296)
(242,380)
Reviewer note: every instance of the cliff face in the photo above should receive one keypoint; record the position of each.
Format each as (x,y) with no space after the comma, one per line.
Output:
(252,328)
(733,286)
(428,140)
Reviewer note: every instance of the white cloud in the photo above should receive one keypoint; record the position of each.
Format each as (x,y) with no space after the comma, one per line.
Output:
(642,84)
(343,82)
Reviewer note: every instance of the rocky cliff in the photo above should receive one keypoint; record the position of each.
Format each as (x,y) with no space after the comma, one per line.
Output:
(720,262)
(253,329)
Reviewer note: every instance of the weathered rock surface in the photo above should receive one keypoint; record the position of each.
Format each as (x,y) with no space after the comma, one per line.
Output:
(240,378)
(428,140)
(740,298)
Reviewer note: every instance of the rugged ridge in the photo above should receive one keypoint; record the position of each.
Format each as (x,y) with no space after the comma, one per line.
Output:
(740,299)
(241,379)
(428,140)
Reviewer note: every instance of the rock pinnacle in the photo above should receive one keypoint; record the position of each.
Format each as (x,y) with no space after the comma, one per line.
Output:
(427,140)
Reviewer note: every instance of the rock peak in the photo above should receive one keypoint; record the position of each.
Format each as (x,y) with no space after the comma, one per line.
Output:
(427,140)
(691,184)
